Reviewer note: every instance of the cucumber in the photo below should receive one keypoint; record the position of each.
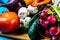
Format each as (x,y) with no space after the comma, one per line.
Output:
(36,31)
(32,20)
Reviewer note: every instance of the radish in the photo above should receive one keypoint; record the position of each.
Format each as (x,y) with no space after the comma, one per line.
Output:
(51,19)
(43,15)
(47,33)
(54,37)
(45,24)
(53,30)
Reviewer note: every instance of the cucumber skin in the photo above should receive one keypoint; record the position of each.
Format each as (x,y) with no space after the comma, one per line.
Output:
(32,31)
(32,20)
(36,31)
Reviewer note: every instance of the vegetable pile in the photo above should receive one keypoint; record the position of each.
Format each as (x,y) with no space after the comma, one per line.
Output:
(49,20)
(40,18)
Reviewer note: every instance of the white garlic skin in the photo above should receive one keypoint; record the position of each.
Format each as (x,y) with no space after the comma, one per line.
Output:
(56,3)
(26,21)
(23,12)
(32,9)
(21,20)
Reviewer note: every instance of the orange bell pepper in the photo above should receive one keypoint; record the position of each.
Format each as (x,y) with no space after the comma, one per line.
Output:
(39,3)
(28,1)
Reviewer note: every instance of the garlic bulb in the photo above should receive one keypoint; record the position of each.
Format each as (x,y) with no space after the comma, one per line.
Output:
(32,9)
(21,20)
(23,12)
(56,3)
(26,21)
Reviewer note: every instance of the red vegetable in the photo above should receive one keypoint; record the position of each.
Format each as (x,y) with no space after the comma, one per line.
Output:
(43,15)
(53,30)
(51,19)
(45,24)
(54,37)
(47,32)
(8,22)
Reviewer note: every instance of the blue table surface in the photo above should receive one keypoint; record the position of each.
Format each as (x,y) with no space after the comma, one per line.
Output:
(2,38)
(4,1)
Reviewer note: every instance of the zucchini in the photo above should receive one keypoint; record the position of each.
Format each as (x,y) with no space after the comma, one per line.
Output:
(35,32)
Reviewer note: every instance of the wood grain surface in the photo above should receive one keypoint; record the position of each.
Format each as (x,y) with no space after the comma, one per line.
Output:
(24,36)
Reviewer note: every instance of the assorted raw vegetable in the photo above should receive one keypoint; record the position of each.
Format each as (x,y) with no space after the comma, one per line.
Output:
(49,20)
(49,16)
(40,18)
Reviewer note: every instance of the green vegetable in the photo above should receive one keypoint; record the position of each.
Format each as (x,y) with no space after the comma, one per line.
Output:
(58,18)
(32,20)
(41,8)
(56,10)
(49,12)
(32,31)
(35,29)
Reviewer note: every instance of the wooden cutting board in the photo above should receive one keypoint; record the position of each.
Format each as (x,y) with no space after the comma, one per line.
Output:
(23,36)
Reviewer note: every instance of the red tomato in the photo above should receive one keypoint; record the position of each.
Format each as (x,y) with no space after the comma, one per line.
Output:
(9,22)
